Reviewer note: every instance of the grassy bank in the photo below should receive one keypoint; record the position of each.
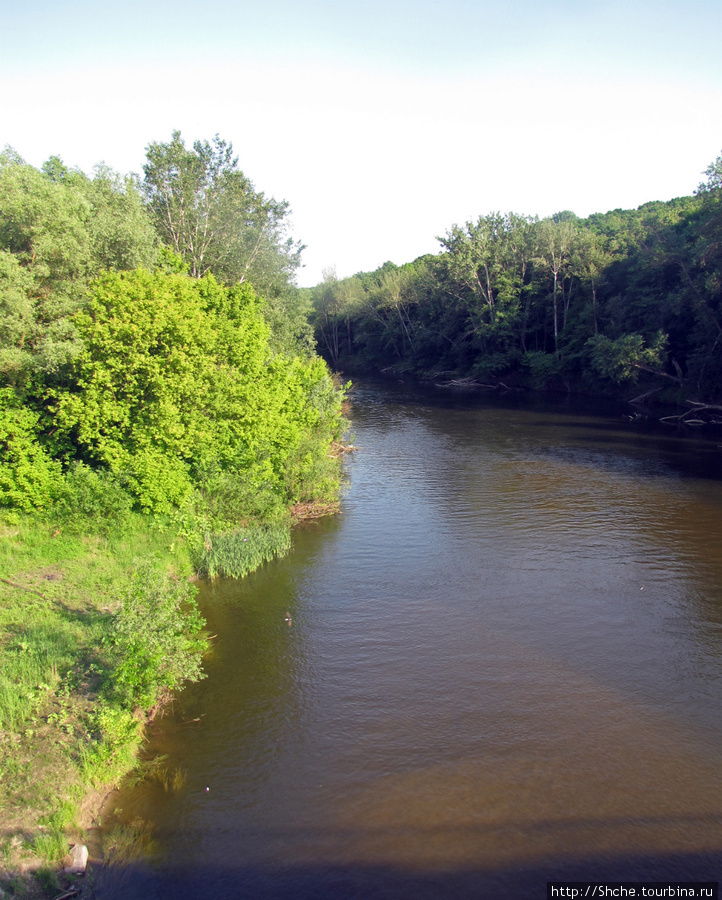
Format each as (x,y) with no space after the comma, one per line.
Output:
(98,626)
(73,688)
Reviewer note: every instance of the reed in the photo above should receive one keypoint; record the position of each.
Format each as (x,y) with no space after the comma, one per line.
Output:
(235,554)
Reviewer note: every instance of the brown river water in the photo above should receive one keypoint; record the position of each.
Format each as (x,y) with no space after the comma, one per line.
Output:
(504,666)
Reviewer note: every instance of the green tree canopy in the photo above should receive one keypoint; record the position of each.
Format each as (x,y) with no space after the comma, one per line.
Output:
(208,211)
(58,230)
(177,380)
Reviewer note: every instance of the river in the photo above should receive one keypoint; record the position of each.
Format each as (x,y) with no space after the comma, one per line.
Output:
(504,666)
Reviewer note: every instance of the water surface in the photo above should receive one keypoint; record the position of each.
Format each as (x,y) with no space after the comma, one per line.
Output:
(504,666)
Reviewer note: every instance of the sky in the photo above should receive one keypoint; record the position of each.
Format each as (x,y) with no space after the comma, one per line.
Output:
(381,122)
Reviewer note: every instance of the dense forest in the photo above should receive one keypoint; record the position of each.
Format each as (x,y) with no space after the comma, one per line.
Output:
(591,305)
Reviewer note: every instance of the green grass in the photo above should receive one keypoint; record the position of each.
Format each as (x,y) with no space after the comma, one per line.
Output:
(60,732)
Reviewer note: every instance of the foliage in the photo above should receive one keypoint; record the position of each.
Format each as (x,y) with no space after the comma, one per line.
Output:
(156,637)
(485,267)
(29,477)
(622,359)
(558,303)
(113,753)
(92,498)
(16,318)
(543,368)
(177,380)
(58,230)
(209,213)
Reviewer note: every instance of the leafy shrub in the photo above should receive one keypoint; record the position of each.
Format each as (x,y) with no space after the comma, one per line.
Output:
(118,736)
(622,359)
(177,379)
(29,478)
(542,367)
(156,637)
(93,496)
(160,481)
(490,365)
(228,500)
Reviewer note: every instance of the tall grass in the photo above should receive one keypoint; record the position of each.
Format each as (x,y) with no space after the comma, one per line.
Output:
(22,675)
(236,553)
(30,669)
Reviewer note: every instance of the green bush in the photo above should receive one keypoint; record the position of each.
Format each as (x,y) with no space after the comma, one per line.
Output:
(29,478)
(621,360)
(177,380)
(156,637)
(543,368)
(92,498)
(118,736)
(228,499)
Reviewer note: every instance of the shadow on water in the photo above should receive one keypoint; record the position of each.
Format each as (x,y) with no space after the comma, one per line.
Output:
(570,419)
(329,882)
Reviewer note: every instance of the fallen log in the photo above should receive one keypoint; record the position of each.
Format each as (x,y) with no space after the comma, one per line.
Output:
(644,396)
(700,414)
(471,382)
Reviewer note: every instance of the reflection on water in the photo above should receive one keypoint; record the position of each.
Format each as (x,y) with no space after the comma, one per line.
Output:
(504,666)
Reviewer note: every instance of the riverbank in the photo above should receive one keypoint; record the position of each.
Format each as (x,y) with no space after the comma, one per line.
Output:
(68,735)
(65,739)
(645,401)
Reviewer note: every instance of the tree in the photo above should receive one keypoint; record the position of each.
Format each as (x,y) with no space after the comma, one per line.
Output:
(17,319)
(59,229)
(122,235)
(207,211)
(485,267)
(592,259)
(391,305)
(557,238)
(43,226)
(714,177)
(29,478)
(622,360)
(177,380)
(336,304)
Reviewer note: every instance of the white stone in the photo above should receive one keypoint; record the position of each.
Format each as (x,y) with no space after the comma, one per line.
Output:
(78,859)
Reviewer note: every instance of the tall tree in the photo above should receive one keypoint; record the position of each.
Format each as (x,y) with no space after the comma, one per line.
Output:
(336,303)
(485,267)
(557,239)
(207,211)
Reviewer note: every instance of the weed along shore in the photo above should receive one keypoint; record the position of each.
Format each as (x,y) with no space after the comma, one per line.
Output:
(99,630)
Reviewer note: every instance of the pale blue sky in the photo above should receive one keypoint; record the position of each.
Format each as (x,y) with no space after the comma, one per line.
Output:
(382,123)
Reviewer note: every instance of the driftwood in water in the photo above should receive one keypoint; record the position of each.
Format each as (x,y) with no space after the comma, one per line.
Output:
(699,414)
(471,382)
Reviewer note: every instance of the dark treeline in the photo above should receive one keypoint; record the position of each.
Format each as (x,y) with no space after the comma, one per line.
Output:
(560,303)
